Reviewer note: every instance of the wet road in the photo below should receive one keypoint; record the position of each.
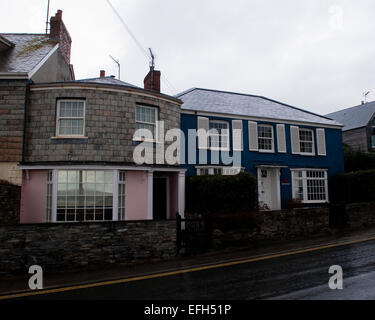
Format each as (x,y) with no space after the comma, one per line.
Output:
(300,276)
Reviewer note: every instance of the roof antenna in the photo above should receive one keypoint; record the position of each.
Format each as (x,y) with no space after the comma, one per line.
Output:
(47,22)
(118,65)
(152,63)
(365,94)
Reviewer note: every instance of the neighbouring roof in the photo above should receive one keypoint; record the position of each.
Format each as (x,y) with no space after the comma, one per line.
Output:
(354,117)
(205,100)
(28,51)
(108,80)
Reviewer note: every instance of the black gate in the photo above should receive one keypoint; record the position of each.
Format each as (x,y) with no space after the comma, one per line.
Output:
(337,215)
(193,235)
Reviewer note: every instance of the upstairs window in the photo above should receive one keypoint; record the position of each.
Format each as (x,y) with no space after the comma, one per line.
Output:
(145,118)
(306,141)
(265,138)
(70,118)
(219,135)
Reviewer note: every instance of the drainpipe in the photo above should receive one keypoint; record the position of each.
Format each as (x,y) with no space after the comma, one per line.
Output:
(25,115)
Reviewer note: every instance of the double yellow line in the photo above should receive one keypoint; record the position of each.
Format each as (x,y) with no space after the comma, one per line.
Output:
(181,271)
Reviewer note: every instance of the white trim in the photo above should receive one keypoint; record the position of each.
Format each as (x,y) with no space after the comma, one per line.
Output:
(220,148)
(98,87)
(54,196)
(272,138)
(261,119)
(313,142)
(304,183)
(75,118)
(181,194)
(96,167)
(41,63)
(115,196)
(150,195)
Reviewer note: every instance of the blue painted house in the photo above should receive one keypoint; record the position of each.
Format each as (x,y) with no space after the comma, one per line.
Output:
(292,152)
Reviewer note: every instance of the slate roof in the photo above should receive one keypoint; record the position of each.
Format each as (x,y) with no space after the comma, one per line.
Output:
(28,51)
(108,80)
(354,117)
(230,103)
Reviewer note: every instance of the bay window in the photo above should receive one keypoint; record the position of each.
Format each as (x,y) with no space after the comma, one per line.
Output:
(85,195)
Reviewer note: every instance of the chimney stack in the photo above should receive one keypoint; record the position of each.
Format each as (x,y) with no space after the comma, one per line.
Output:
(152,80)
(58,32)
(102,73)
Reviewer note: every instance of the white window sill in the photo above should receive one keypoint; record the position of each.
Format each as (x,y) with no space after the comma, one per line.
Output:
(266,151)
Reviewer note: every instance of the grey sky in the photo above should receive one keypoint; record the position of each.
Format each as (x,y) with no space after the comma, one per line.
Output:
(313,54)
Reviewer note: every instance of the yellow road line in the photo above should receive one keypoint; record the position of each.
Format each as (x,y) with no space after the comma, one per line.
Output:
(194,269)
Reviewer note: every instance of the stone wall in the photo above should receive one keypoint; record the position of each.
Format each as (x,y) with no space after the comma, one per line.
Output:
(278,226)
(10,197)
(68,245)
(109,122)
(12,104)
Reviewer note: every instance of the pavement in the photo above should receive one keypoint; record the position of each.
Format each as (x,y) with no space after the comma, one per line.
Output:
(56,279)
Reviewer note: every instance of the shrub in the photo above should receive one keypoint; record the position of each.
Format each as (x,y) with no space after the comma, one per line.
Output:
(353,187)
(221,194)
(357,160)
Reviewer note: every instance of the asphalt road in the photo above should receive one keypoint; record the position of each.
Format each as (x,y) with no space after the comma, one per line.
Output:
(299,276)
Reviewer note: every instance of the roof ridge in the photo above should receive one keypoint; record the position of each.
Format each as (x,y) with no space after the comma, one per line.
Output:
(350,108)
(254,96)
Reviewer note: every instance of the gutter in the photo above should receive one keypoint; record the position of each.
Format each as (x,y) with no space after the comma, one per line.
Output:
(14,75)
(25,115)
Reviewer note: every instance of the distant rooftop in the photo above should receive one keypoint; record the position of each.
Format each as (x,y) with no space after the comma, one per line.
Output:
(27,52)
(108,80)
(198,99)
(354,117)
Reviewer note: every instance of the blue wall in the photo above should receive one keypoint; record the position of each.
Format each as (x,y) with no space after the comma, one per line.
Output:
(333,161)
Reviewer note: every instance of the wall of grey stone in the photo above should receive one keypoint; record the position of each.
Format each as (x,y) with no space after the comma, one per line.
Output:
(10,197)
(109,124)
(73,245)
(278,226)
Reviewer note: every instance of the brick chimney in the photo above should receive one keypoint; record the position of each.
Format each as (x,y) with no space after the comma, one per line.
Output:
(59,33)
(152,80)
(102,73)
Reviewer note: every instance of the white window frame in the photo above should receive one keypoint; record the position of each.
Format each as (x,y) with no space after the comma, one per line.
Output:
(155,137)
(312,153)
(220,148)
(58,118)
(225,171)
(304,184)
(52,178)
(272,150)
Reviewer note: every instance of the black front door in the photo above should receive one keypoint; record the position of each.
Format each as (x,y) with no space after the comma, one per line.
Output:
(160,198)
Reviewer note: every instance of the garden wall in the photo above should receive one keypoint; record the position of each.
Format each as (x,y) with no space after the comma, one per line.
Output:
(10,197)
(71,245)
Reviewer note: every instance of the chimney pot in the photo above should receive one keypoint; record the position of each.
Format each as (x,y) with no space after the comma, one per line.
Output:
(102,73)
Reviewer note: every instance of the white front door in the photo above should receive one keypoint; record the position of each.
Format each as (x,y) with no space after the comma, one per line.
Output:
(269,188)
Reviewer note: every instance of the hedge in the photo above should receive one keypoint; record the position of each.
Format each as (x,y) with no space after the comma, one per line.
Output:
(353,187)
(221,194)
(357,160)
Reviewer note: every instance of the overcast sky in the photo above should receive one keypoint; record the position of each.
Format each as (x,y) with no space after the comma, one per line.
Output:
(315,54)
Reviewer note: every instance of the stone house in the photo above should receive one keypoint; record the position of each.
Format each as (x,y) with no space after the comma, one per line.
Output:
(359,126)
(25,59)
